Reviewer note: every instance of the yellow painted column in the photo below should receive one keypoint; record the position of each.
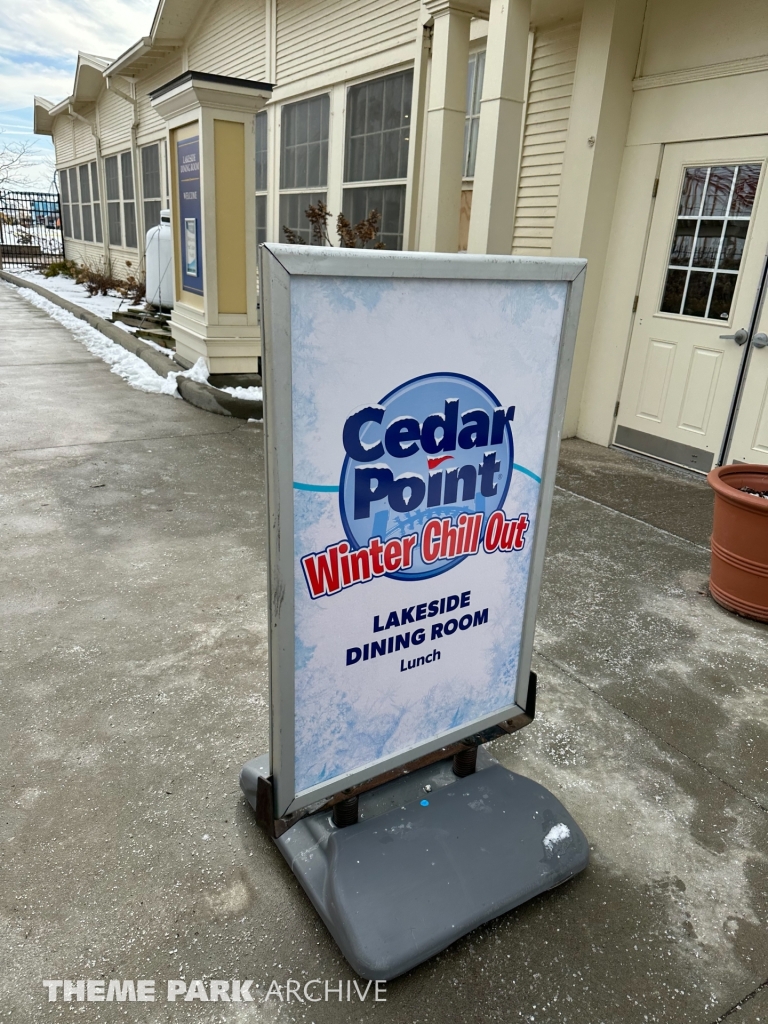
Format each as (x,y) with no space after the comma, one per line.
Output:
(229,169)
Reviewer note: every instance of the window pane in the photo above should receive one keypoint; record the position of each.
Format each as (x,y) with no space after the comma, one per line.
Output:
(261,219)
(722,296)
(673,291)
(733,244)
(377,133)
(707,243)
(76,229)
(87,224)
(74,194)
(65,216)
(682,246)
(85,188)
(129,216)
(718,191)
(693,191)
(697,295)
(112,184)
(744,190)
(150,172)
(113,215)
(126,171)
(389,200)
(261,151)
(304,143)
(97,222)
(64,186)
(94,181)
(292,213)
(151,213)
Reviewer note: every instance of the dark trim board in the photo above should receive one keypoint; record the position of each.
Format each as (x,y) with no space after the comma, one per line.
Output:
(661,448)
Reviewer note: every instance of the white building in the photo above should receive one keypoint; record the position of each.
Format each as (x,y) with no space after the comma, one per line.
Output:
(630,132)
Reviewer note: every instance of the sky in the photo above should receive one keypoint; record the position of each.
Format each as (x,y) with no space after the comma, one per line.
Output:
(39,41)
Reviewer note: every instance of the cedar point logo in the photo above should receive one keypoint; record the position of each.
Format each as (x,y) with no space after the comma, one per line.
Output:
(424,479)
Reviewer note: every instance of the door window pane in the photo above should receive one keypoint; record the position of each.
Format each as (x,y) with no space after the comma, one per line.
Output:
(389,200)
(378,129)
(304,156)
(710,233)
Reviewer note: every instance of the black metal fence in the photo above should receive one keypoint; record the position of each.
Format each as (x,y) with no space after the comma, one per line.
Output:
(30,229)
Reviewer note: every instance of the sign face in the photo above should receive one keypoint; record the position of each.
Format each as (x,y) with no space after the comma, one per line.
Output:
(414,403)
(188,159)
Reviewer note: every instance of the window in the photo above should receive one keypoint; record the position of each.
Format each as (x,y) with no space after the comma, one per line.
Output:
(475,75)
(129,205)
(150,185)
(261,177)
(74,194)
(113,200)
(66,216)
(303,160)
(376,153)
(80,207)
(121,203)
(710,231)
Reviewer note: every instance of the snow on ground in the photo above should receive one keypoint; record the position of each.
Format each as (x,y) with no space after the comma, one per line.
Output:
(124,363)
(102,305)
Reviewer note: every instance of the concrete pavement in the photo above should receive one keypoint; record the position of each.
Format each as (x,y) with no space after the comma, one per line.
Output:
(133,671)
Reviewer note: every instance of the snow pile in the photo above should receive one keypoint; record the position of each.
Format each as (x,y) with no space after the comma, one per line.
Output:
(125,364)
(253,394)
(199,373)
(103,305)
(556,835)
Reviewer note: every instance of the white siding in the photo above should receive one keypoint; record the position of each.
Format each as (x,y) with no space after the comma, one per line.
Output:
(115,119)
(231,40)
(64,141)
(546,126)
(91,255)
(151,125)
(315,35)
(85,144)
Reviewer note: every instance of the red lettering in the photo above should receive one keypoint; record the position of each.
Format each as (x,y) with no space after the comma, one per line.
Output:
(392,555)
(430,541)
(493,529)
(322,571)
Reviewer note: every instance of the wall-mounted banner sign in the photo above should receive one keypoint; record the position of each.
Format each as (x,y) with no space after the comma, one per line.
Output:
(413,410)
(188,159)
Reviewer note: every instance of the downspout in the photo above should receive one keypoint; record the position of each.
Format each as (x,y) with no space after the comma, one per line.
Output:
(138,193)
(100,175)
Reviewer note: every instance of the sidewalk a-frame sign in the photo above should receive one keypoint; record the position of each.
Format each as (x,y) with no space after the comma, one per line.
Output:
(413,409)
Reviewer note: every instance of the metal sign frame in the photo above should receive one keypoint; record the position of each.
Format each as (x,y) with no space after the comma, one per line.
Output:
(278,264)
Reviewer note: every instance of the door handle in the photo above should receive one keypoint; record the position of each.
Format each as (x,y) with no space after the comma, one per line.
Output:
(740,337)
(760,340)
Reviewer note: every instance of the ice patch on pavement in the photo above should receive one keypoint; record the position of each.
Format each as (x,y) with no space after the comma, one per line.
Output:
(122,362)
(556,835)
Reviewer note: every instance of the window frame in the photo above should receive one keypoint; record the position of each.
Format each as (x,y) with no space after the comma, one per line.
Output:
(76,211)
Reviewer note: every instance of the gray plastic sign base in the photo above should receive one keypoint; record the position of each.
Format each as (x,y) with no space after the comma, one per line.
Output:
(431,857)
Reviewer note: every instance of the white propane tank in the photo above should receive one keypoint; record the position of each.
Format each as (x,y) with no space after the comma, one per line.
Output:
(159,270)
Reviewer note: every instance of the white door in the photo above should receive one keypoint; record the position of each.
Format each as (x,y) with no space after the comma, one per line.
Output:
(749,441)
(702,271)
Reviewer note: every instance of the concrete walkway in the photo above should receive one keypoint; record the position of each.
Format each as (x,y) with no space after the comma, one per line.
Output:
(133,671)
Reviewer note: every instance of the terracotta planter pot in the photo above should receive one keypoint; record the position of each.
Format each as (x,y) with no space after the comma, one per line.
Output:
(739,575)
